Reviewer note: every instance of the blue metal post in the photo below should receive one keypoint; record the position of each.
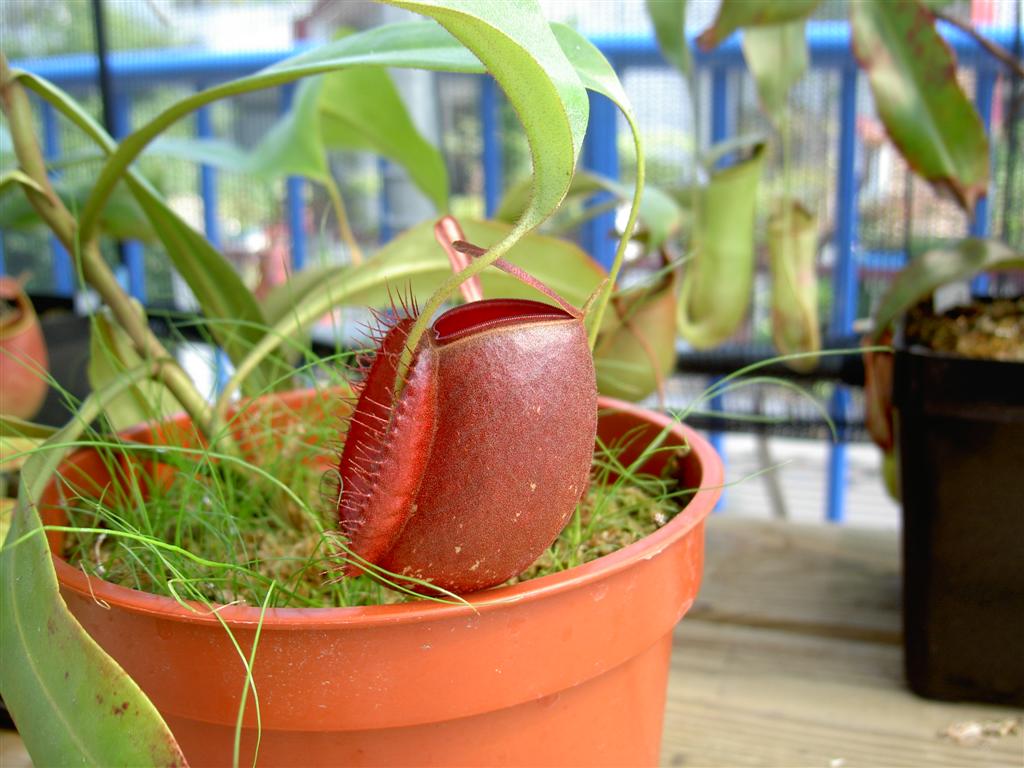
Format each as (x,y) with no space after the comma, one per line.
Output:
(211,225)
(600,154)
(134,257)
(984,87)
(721,129)
(844,281)
(295,189)
(721,125)
(63,271)
(490,126)
(208,181)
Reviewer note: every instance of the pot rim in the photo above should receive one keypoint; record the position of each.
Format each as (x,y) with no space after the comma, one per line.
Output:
(12,290)
(693,514)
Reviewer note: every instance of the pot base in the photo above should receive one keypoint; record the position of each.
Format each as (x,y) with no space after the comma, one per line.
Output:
(614,719)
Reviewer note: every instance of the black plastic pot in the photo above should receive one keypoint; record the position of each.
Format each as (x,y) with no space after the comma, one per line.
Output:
(960,427)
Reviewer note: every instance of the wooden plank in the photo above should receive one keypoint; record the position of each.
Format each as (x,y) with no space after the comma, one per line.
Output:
(791,657)
(813,579)
(755,697)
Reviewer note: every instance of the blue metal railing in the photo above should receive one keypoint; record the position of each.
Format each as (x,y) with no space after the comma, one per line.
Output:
(829,45)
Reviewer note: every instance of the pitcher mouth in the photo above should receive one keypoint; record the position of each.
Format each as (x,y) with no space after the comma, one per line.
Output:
(477,316)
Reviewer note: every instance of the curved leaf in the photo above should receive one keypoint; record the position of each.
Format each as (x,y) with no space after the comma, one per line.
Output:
(111,355)
(669,20)
(598,75)
(777,58)
(361,109)
(659,212)
(733,14)
(719,278)
(14,177)
(593,69)
(216,285)
(293,145)
(636,349)
(414,264)
(122,218)
(408,45)
(519,50)
(12,426)
(17,438)
(933,269)
(72,703)
(912,73)
(235,319)
(355,109)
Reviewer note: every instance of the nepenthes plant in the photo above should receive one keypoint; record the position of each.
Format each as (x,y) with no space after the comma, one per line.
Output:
(483,417)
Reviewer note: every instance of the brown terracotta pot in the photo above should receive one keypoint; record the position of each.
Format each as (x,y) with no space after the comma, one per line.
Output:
(23,359)
(568,669)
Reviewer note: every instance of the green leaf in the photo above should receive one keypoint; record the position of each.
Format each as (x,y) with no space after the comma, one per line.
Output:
(792,252)
(912,73)
(217,287)
(294,144)
(417,43)
(218,153)
(521,53)
(733,14)
(16,177)
(52,674)
(354,109)
(17,439)
(111,355)
(560,111)
(669,20)
(414,263)
(12,426)
(235,319)
(598,75)
(937,268)
(7,507)
(661,214)
(361,109)
(718,280)
(777,58)
(745,143)
(14,451)
(121,219)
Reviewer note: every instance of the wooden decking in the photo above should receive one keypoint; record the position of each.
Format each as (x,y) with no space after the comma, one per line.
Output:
(792,657)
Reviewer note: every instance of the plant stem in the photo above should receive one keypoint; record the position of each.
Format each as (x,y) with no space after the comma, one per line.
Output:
(344,228)
(627,233)
(448,288)
(167,370)
(87,255)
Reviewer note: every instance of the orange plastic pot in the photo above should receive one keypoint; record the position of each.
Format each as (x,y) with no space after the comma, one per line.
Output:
(23,360)
(568,669)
